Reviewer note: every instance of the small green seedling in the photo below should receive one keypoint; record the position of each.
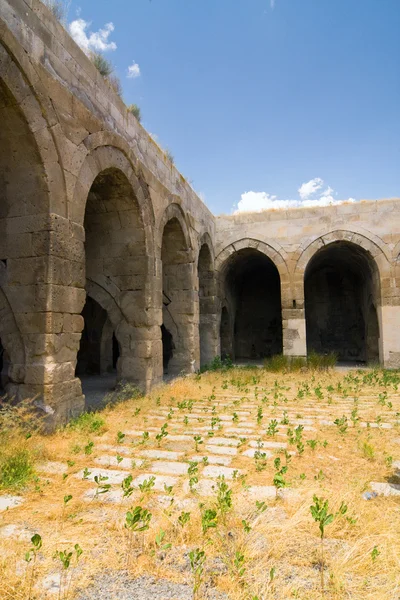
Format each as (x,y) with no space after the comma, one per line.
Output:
(272,428)
(102,488)
(193,471)
(375,553)
(320,514)
(120,437)
(160,539)
(197,559)
(163,433)
(183,519)
(31,556)
(127,488)
(342,424)
(208,520)
(197,442)
(261,506)
(88,449)
(224,497)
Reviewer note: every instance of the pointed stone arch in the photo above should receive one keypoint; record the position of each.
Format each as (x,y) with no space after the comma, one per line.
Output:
(178,297)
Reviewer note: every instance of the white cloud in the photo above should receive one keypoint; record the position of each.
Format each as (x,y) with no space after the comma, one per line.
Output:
(309,192)
(92,41)
(133,70)
(310,187)
(272,4)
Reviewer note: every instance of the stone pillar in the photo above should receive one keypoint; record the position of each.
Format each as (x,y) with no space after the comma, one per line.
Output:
(50,327)
(293,319)
(294,332)
(209,329)
(389,327)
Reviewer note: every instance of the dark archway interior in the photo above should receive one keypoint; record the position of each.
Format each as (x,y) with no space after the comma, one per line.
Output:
(168,347)
(252,291)
(1,367)
(225,334)
(341,299)
(89,354)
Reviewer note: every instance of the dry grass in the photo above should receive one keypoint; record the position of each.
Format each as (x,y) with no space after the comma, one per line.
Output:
(283,538)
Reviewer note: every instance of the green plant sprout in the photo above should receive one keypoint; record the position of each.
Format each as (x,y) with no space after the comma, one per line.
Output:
(197,559)
(320,513)
(31,556)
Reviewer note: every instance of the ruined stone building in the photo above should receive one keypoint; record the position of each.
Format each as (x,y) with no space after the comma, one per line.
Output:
(110,261)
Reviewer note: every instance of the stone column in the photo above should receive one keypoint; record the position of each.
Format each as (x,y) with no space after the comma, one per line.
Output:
(293,319)
(49,285)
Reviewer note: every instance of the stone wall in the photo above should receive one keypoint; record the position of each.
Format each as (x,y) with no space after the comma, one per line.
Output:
(87,200)
(91,208)
(346,257)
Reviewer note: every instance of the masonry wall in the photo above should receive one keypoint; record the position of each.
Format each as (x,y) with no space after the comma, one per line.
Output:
(90,207)
(85,195)
(291,238)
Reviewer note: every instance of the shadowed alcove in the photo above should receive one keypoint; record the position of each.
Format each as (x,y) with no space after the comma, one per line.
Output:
(341,299)
(253,297)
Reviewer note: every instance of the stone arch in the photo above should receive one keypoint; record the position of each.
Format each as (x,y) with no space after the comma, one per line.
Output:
(371,246)
(19,77)
(103,158)
(179,296)
(208,334)
(342,291)
(250,289)
(174,211)
(276,254)
(32,195)
(115,217)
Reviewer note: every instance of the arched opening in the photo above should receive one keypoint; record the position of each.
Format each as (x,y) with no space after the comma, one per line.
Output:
(178,300)
(206,305)
(342,294)
(115,253)
(253,295)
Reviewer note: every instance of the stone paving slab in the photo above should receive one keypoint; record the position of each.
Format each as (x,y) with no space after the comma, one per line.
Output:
(125,463)
(17,532)
(7,501)
(220,441)
(113,476)
(205,487)
(170,468)
(215,471)
(221,450)
(213,460)
(385,489)
(52,467)
(160,480)
(251,452)
(117,449)
(268,444)
(161,454)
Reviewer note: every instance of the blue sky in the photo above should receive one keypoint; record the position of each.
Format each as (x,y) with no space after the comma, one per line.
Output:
(255,98)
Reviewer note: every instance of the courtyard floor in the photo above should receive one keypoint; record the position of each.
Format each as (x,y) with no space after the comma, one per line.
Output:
(227,463)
